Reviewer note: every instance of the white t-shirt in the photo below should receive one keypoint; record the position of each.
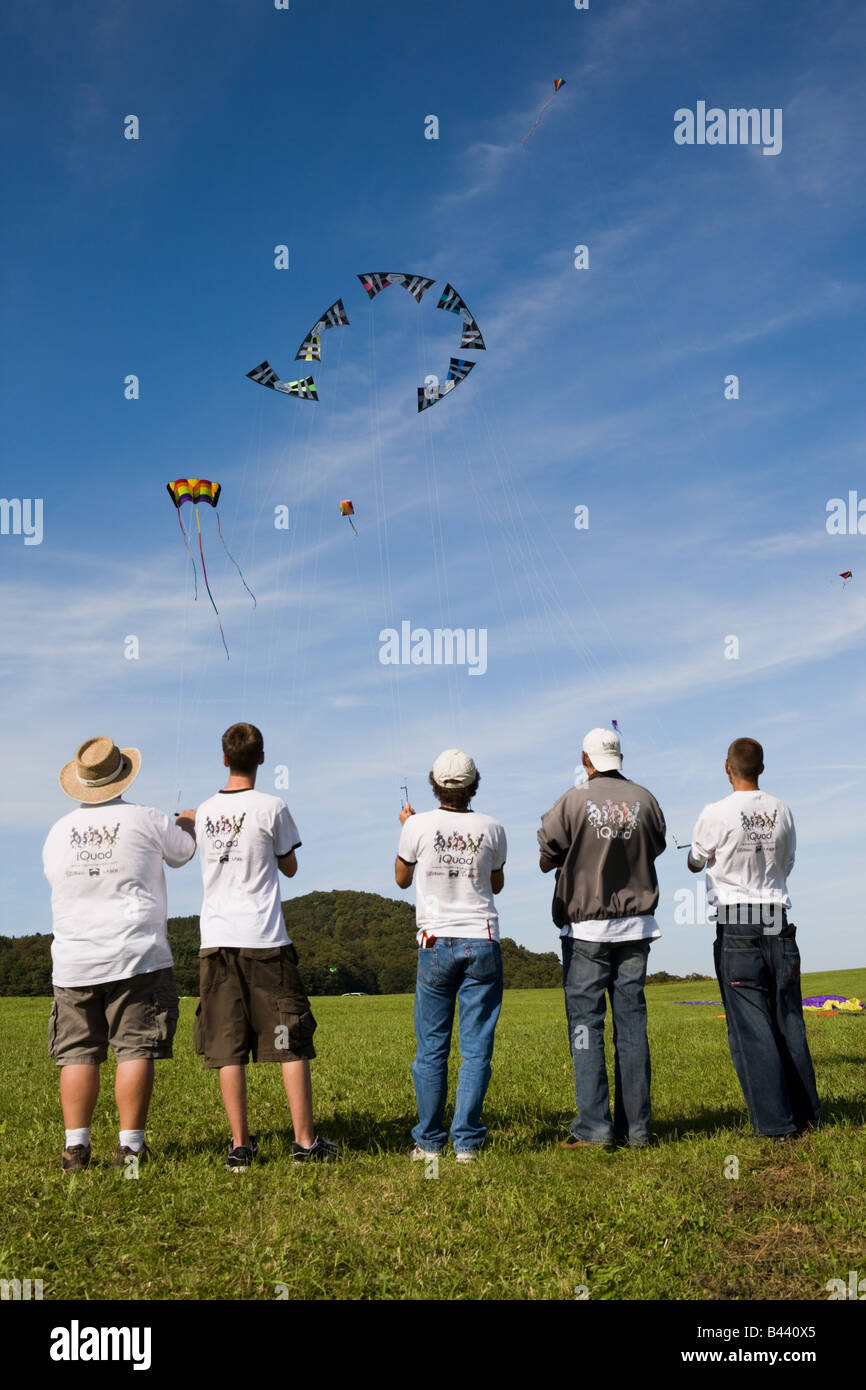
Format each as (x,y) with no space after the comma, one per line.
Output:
(240,836)
(747,843)
(456,852)
(614,929)
(108,899)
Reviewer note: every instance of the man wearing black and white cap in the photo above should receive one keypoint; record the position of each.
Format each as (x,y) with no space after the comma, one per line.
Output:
(112,967)
(603,839)
(460,858)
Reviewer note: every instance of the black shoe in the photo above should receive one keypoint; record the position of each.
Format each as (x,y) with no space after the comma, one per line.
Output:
(240,1159)
(76,1158)
(122,1155)
(321,1151)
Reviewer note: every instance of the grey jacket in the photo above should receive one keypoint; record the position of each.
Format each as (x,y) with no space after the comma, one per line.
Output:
(604,838)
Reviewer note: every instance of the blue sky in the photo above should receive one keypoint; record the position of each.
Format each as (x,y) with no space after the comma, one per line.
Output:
(602,387)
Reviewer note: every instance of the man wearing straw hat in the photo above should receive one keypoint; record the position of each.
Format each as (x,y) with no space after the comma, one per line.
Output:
(112,967)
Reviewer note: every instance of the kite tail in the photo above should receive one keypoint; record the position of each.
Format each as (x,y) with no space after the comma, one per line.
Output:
(235,563)
(537,119)
(352,524)
(207,586)
(188,551)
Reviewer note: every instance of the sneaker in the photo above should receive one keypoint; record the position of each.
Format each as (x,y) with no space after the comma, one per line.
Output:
(419,1155)
(466,1155)
(76,1158)
(122,1153)
(320,1151)
(572,1143)
(240,1159)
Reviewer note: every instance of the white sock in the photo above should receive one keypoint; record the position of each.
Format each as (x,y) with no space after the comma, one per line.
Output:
(132,1139)
(77,1136)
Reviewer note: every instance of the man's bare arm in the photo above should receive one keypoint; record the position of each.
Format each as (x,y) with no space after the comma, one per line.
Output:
(287,864)
(497,880)
(403,872)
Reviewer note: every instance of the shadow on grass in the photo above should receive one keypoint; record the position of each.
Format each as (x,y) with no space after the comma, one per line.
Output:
(363,1131)
(358,1131)
(843,1112)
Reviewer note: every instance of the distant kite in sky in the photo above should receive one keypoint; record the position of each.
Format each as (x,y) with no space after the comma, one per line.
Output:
(616,726)
(558,82)
(346,509)
(845,576)
(311,348)
(453,302)
(375,281)
(457,372)
(265,375)
(197,490)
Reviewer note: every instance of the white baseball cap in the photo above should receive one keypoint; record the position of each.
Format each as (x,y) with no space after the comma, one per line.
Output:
(603,748)
(454,768)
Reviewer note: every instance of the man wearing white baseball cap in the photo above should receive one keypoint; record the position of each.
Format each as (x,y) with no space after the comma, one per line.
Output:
(460,857)
(603,839)
(113,975)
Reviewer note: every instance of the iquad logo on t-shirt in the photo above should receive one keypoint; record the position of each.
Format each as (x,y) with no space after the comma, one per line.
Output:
(224,833)
(457,851)
(93,844)
(613,820)
(759,826)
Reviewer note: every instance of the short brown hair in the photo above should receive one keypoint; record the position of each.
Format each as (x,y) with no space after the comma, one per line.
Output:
(746,758)
(459,797)
(243,745)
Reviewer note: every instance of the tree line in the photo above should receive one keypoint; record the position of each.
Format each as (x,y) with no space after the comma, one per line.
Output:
(348,942)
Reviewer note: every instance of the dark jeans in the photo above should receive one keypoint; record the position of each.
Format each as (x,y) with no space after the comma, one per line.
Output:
(590,970)
(759,976)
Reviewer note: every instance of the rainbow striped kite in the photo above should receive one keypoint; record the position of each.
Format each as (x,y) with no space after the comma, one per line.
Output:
(197,490)
(557,83)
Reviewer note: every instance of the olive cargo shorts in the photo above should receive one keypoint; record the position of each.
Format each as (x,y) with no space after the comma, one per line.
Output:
(252,1004)
(137,1016)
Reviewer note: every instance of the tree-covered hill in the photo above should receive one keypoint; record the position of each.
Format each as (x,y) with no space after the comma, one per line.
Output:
(346,941)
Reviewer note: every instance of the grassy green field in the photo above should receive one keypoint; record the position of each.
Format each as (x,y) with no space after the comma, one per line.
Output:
(528,1221)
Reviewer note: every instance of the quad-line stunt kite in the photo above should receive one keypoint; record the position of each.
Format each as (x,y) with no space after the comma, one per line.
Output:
(197,490)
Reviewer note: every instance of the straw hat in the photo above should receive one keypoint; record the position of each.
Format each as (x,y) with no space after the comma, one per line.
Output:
(100,771)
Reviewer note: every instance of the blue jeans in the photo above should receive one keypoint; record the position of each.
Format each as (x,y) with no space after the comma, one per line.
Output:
(590,969)
(759,976)
(468,972)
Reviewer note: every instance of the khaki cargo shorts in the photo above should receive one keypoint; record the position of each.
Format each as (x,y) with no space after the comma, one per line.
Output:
(253,1004)
(137,1016)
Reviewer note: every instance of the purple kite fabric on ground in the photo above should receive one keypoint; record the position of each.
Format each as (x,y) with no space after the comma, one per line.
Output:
(833,1003)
